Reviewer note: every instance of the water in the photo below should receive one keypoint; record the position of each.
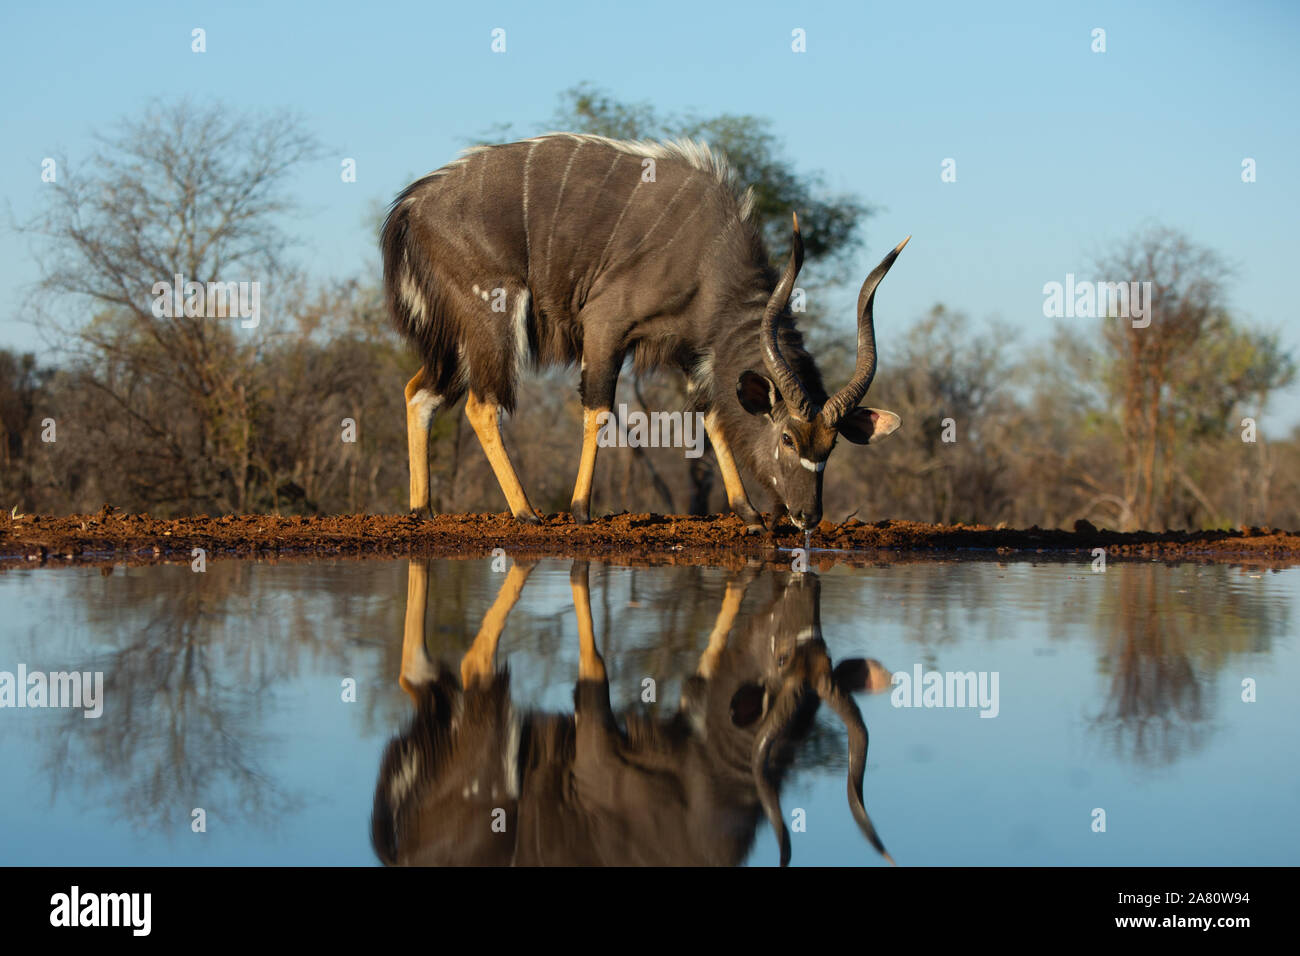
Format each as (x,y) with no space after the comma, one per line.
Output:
(225,692)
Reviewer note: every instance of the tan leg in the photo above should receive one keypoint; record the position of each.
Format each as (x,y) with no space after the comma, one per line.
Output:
(590,664)
(421,404)
(722,628)
(581,503)
(736,496)
(484,417)
(479,661)
(417,668)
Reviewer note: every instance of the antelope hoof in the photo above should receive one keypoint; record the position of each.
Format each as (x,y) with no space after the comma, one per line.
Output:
(753,520)
(581,514)
(528,517)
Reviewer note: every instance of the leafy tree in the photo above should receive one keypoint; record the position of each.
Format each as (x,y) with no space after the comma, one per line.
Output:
(1183,377)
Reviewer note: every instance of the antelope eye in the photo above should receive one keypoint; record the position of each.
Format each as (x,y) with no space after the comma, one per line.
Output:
(786,440)
(782,660)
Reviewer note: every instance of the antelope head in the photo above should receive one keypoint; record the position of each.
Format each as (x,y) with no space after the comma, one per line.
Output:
(800,432)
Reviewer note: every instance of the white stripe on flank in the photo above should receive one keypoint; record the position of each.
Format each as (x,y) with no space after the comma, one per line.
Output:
(404,779)
(410,292)
(511,755)
(520,319)
(613,232)
(682,223)
(528,164)
(559,198)
(667,206)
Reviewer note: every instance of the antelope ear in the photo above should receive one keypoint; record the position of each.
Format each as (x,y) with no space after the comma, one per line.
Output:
(862,426)
(855,675)
(757,393)
(747,704)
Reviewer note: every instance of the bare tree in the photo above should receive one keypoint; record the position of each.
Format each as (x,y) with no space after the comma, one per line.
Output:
(184,190)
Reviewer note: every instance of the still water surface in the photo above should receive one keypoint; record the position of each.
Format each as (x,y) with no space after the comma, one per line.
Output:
(225,691)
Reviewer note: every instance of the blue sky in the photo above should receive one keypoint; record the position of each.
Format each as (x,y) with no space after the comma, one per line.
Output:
(1059,150)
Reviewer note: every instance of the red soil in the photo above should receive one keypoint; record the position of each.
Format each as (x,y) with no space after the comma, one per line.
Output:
(112,537)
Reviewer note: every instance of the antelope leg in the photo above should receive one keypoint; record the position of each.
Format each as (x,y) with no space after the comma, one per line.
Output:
(485,418)
(600,368)
(421,405)
(590,664)
(735,593)
(478,662)
(417,668)
(736,496)
(581,502)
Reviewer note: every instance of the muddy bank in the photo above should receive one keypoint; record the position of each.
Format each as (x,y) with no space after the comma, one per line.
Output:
(115,537)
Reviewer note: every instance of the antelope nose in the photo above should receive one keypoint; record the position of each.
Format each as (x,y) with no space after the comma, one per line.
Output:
(806,520)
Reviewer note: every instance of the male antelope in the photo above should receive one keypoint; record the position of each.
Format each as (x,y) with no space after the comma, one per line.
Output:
(472,781)
(557,250)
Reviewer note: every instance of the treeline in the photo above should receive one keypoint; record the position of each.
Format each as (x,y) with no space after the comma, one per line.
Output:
(301,411)
(313,422)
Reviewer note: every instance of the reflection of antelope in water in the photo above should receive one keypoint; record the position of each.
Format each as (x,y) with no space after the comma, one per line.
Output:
(574,789)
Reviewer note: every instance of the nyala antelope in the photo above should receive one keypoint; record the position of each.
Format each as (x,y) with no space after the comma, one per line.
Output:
(473,781)
(559,251)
